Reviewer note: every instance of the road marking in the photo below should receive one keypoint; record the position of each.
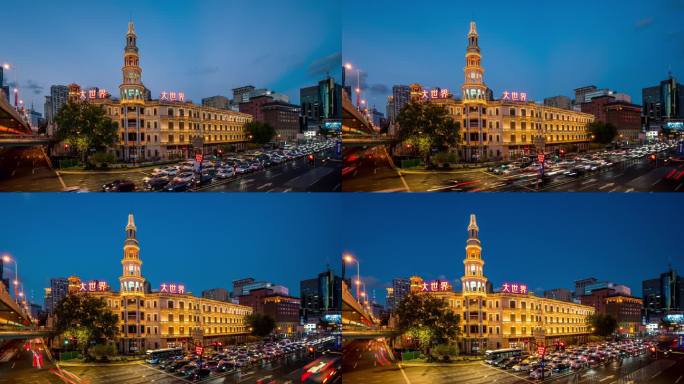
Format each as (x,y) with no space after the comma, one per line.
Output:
(404,374)
(679,378)
(656,182)
(679,186)
(629,190)
(389,159)
(607,378)
(606,186)
(287,190)
(264,186)
(588,181)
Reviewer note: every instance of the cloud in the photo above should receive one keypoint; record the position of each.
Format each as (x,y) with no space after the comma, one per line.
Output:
(29,85)
(379,89)
(643,23)
(203,71)
(325,65)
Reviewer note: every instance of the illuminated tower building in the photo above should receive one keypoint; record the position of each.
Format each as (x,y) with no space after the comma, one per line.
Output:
(133,94)
(132,293)
(474,285)
(475,95)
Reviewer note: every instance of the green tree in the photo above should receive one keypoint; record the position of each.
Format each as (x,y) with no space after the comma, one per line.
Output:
(425,126)
(85,126)
(102,351)
(85,318)
(259,133)
(428,320)
(603,325)
(260,325)
(602,133)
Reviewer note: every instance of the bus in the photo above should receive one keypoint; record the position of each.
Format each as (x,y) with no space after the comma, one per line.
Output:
(154,356)
(492,356)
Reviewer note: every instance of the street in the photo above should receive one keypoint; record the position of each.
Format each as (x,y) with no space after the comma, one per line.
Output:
(26,169)
(373,172)
(369,362)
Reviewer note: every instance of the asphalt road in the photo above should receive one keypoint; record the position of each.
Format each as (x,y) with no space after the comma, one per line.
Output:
(369,362)
(26,169)
(20,368)
(374,173)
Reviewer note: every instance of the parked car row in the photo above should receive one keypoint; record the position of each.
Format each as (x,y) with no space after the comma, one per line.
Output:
(233,358)
(574,165)
(571,358)
(182,177)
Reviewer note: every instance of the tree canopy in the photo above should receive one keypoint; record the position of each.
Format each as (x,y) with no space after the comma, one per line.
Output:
(603,325)
(425,126)
(603,133)
(85,126)
(261,325)
(85,318)
(261,133)
(427,319)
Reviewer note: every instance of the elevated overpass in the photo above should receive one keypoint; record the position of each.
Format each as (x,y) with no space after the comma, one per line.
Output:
(23,140)
(367,140)
(23,333)
(353,121)
(12,315)
(353,313)
(11,121)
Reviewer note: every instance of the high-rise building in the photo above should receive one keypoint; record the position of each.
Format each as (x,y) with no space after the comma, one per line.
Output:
(401,287)
(321,296)
(218,102)
(220,294)
(626,310)
(560,101)
(581,284)
(239,284)
(59,95)
(284,118)
(663,104)
(3,275)
(310,100)
(59,288)
(241,94)
(581,93)
(4,88)
(401,95)
(321,103)
(562,294)
(663,295)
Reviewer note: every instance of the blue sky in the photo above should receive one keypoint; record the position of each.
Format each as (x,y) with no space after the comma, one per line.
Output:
(204,240)
(546,48)
(203,48)
(545,240)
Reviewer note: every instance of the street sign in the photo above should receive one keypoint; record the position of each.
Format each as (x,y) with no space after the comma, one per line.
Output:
(541,350)
(198,157)
(199,349)
(540,158)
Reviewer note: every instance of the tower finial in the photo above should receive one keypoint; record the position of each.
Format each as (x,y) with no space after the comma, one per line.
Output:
(131,221)
(473,222)
(473,28)
(131,26)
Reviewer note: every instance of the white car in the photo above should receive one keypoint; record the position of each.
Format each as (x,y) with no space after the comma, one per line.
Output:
(537,373)
(224,173)
(186,177)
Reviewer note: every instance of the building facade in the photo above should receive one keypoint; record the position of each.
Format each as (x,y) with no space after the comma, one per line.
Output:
(626,310)
(163,129)
(220,294)
(284,118)
(512,126)
(663,295)
(663,104)
(168,317)
(623,115)
(512,317)
(561,294)
(218,102)
(560,101)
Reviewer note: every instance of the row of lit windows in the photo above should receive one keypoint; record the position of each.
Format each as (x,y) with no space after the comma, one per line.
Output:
(180,112)
(207,138)
(522,304)
(207,331)
(523,112)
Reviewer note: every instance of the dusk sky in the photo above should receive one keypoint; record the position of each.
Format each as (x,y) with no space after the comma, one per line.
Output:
(545,48)
(546,240)
(204,240)
(203,48)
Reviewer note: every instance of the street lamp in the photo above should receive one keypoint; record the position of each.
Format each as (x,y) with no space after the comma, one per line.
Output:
(8,259)
(349,259)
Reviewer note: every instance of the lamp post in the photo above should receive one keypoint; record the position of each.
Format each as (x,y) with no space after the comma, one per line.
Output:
(8,259)
(349,258)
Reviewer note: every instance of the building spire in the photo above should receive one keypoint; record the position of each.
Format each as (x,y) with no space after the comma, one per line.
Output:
(473,28)
(131,222)
(473,223)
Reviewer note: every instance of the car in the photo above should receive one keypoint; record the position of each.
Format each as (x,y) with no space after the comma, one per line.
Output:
(199,373)
(204,178)
(539,373)
(119,186)
(521,367)
(177,186)
(156,183)
(560,368)
(187,177)
(176,365)
(225,173)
